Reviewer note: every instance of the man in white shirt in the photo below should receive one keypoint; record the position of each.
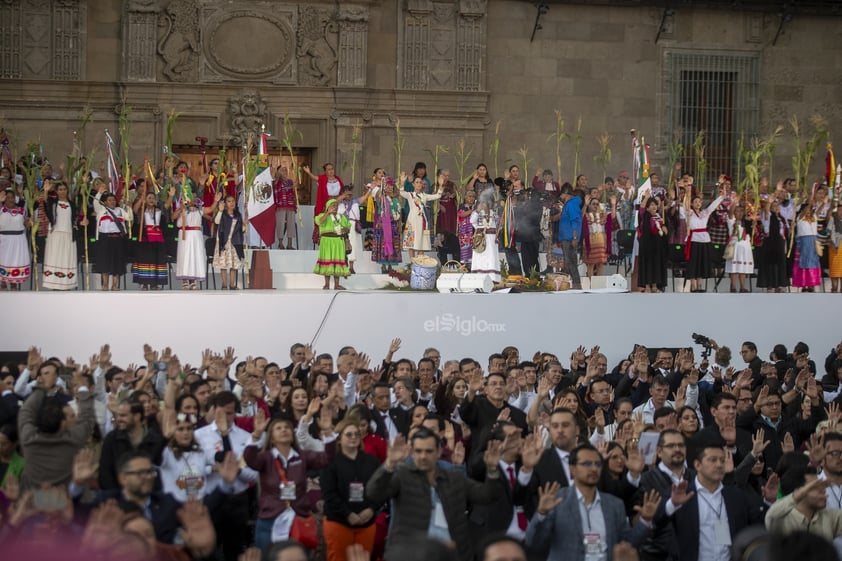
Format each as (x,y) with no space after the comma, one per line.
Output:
(217,439)
(659,390)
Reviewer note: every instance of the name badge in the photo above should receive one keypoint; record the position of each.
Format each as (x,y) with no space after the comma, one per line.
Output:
(593,544)
(356,492)
(288,491)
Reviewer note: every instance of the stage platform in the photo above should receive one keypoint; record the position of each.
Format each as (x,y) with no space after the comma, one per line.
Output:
(267,322)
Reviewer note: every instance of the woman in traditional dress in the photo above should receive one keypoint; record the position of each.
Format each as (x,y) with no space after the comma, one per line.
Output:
(652,253)
(149,268)
(333,229)
(15,259)
(228,250)
(597,227)
(416,234)
(191,257)
(485,259)
(285,207)
(483,186)
(741,263)
(111,238)
(386,246)
(329,187)
(834,233)
(699,250)
(465,230)
(772,270)
(806,267)
(446,220)
(349,207)
(60,256)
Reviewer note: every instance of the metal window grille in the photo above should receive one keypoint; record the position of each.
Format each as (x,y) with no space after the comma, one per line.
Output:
(715,92)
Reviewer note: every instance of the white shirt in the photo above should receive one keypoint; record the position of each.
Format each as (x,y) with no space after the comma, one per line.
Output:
(648,409)
(700,221)
(593,520)
(565,463)
(712,511)
(210,439)
(834,494)
(674,478)
(390,425)
(513,530)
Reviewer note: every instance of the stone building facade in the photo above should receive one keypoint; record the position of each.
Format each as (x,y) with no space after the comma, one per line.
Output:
(347,72)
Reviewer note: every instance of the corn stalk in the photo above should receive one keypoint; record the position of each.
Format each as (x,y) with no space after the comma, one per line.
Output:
(701,163)
(675,149)
(742,159)
(356,133)
(400,142)
(494,148)
(804,154)
(523,152)
(460,160)
(31,194)
(169,161)
(577,142)
(290,134)
(559,136)
(603,158)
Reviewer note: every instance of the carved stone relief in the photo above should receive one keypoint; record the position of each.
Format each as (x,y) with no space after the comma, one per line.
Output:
(317,45)
(179,44)
(353,42)
(247,40)
(443,45)
(247,111)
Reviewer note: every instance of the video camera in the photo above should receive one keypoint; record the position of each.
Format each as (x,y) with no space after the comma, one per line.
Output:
(704,342)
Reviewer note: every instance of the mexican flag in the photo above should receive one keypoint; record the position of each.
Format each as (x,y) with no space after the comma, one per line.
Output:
(261,207)
(642,160)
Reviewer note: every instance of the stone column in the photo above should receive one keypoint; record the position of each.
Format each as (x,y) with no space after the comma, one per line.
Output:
(353,41)
(140,33)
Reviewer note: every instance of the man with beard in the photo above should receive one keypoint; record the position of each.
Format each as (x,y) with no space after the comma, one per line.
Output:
(131,433)
(579,523)
(671,470)
(481,411)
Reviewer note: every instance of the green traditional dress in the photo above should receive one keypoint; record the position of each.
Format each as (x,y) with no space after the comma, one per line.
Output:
(332,260)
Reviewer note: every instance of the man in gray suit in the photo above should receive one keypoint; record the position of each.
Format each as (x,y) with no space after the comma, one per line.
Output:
(578,523)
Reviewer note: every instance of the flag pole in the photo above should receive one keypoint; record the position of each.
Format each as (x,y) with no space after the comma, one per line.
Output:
(246,194)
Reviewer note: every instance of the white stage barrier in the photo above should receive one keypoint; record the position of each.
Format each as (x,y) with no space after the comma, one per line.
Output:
(267,322)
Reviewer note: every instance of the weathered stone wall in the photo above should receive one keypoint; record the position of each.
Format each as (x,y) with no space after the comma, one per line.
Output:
(444,69)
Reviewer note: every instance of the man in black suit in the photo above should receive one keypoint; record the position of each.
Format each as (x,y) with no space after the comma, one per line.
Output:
(706,514)
(723,408)
(670,470)
(554,465)
(480,412)
(519,456)
(749,353)
(390,421)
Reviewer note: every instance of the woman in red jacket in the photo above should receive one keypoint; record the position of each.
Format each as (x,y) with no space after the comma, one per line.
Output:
(283,477)
(329,187)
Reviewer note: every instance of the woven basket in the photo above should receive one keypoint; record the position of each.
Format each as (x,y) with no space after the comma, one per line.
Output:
(558,282)
(453,266)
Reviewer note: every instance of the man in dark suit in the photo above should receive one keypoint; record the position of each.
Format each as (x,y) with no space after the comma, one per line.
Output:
(579,522)
(480,412)
(518,457)
(723,408)
(554,465)
(390,421)
(706,514)
(670,470)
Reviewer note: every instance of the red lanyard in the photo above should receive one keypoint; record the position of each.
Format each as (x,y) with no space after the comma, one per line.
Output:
(281,473)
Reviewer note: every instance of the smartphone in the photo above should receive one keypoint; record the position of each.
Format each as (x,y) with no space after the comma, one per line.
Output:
(161,366)
(49,500)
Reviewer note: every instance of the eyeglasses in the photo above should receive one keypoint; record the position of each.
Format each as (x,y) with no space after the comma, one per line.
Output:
(589,464)
(142,472)
(834,453)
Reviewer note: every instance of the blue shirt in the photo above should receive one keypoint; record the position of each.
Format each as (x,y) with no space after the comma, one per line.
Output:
(570,221)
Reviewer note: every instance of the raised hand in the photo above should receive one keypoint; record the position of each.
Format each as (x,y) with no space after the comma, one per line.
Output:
(149,355)
(816,450)
(679,494)
(228,358)
(313,407)
(531,450)
(599,420)
(624,551)
(394,346)
(104,358)
(84,467)
(33,360)
(457,457)
(168,422)
(492,454)
(770,489)
(788,444)
(758,444)
(397,452)
(635,462)
(548,497)
(197,531)
(651,502)
(229,469)
(260,422)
